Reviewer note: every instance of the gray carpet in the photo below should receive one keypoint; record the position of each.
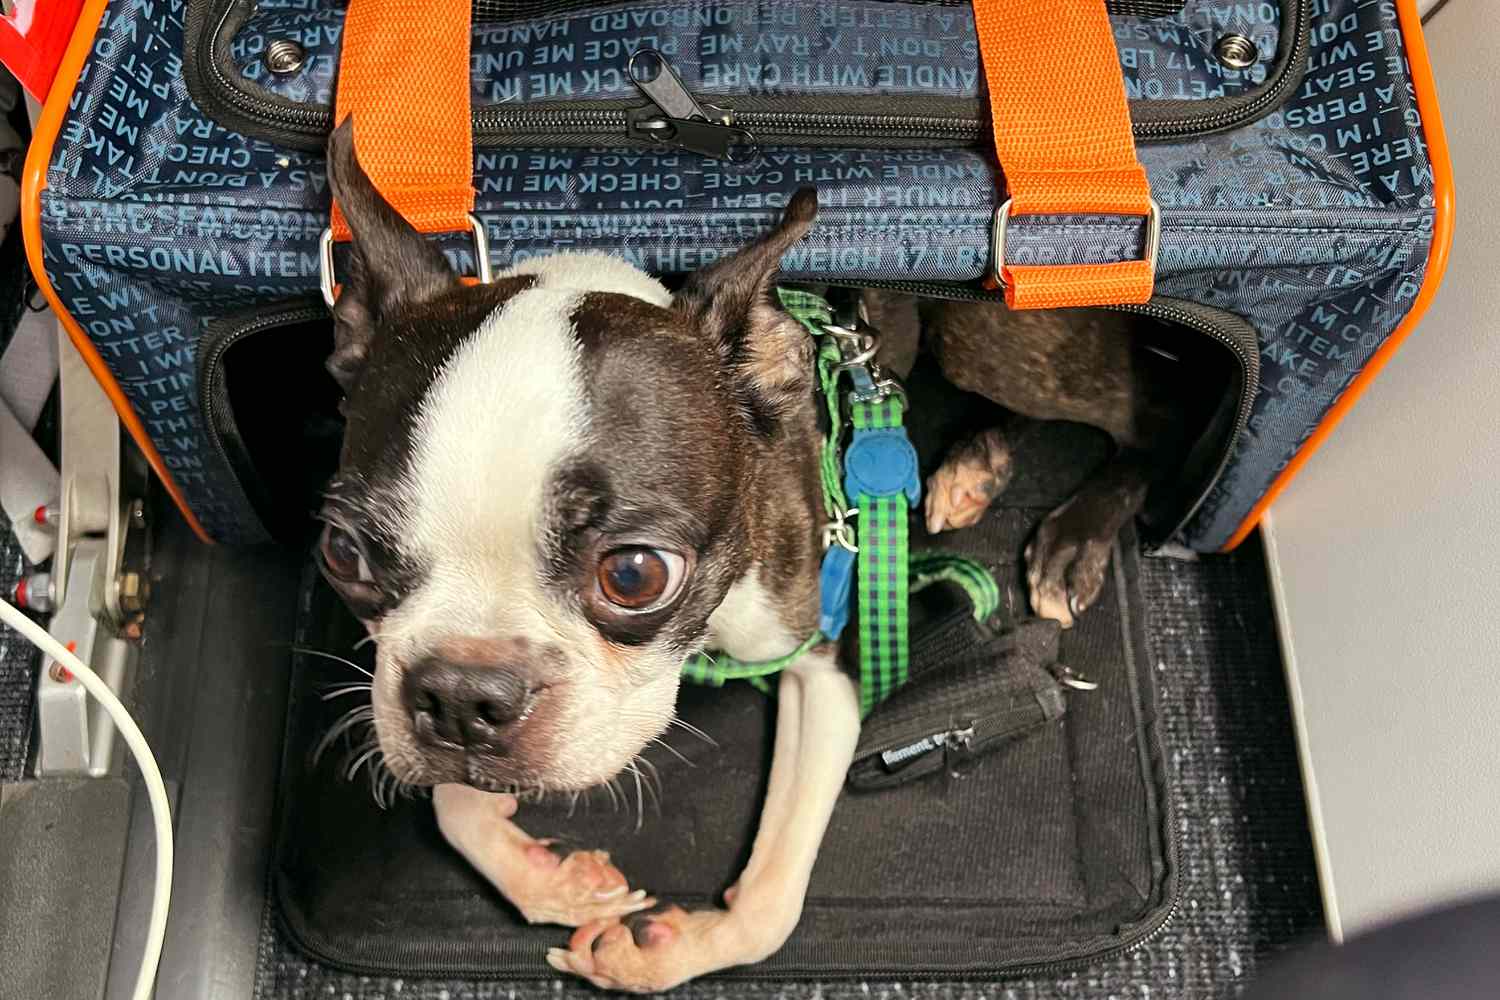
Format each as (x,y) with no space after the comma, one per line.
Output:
(1249,888)
(18,662)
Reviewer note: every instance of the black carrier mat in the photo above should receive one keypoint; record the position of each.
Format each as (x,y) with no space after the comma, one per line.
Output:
(1055,848)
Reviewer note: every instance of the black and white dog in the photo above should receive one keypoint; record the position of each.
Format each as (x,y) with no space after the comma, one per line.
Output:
(555,487)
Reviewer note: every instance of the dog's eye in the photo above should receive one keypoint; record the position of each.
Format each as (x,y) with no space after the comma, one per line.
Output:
(637,578)
(342,557)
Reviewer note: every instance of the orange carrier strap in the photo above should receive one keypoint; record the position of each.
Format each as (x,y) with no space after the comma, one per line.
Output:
(404,76)
(1063,138)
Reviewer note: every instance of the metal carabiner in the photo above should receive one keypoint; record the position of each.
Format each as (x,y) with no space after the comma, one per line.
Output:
(840,532)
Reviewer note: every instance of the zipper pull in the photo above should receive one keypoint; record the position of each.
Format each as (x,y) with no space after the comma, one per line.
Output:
(1068,677)
(677,118)
(957,744)
(949,742)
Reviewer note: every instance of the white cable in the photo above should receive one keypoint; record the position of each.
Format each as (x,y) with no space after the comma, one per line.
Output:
(161,814)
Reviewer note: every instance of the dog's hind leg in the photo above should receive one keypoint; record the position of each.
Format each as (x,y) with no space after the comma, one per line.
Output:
(817,727)
(570,890)
(1086,366)
(1066,560)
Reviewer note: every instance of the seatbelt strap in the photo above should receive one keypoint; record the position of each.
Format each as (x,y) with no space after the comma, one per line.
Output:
(1063,138)
(404,76)
(28,365)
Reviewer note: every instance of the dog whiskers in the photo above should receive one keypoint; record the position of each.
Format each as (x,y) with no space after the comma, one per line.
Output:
(640,801)
(339,691)
(615,795)
(669,748)
(653,777)
(359,762)
(309,651)
(344,724)
(694,730)
(644,789)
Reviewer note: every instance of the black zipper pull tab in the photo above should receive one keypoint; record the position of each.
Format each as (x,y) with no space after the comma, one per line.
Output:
(678,119)
(951,743)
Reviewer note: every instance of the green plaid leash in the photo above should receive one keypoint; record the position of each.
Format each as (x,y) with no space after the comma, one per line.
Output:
(882,542)
(878,467)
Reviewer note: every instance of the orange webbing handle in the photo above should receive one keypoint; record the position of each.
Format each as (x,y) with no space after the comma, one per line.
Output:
(1063,139)
(404,75)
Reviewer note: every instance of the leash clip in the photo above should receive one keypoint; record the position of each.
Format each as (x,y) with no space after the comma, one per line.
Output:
(858,348)
(868,383)
(840,532)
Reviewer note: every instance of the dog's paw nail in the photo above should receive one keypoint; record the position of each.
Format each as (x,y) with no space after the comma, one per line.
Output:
(1073,606)
(611,893)
(638,895)
(558,959)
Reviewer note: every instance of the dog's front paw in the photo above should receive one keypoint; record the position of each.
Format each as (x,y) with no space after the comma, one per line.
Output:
(547,886)
(572,890)
(651,952)
(971,476)
(1065,563)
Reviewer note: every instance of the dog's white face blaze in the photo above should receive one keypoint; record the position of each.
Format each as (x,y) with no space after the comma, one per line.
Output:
(507,409)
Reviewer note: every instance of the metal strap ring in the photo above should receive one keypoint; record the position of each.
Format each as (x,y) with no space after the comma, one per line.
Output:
(1001,224)
(482,269)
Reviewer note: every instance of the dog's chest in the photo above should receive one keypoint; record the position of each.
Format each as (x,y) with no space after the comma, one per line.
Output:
(748,624)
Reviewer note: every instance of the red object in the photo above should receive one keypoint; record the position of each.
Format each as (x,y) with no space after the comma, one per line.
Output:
(21,593)
(33,38)
(40,514)
(60,673)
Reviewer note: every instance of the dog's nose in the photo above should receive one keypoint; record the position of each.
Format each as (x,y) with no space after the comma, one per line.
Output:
(472,706)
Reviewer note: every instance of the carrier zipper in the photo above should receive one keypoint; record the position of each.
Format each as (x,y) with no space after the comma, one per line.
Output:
(288,123)
(545,123)
(953,744)
(1248,358)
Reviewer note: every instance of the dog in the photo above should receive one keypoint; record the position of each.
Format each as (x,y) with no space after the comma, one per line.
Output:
(555,487)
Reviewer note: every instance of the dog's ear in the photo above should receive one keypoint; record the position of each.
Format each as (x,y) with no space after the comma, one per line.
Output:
(390,264)
(766,354)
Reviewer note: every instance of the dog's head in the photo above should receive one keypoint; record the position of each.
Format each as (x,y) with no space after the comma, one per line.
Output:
(540,496)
